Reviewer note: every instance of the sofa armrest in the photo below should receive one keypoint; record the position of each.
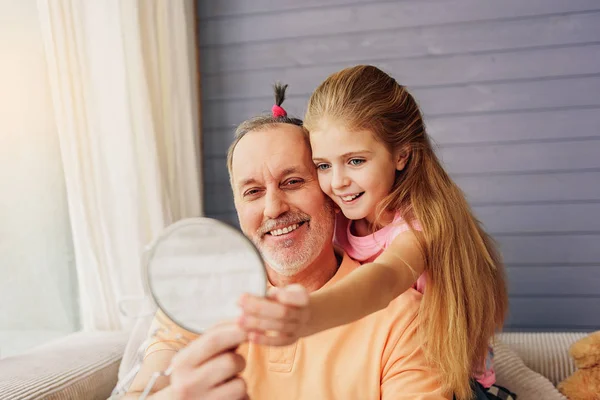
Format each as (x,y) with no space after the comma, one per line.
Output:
(544,352)
(82,365)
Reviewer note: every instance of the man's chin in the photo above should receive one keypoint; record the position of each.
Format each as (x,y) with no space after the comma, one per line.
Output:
(287,258)
(286,266)
(284,251)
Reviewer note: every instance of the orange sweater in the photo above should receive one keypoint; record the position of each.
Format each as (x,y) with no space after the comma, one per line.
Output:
(377,357)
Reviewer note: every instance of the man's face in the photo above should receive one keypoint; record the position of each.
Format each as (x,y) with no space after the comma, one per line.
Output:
(280,205)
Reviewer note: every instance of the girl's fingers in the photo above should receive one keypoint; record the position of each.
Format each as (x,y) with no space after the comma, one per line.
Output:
(293,295)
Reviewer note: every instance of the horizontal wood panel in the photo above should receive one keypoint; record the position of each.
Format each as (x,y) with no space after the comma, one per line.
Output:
(467,99)
(523,157)
(435,71)
(532,218)
(223,8)
(558,125)
(529,126)
(377,16)
(554,312)
(559,187)
(481,98)
(561,249)
(554,280)
(489,36)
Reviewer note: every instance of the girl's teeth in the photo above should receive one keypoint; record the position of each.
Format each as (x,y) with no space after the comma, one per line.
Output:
(350,198)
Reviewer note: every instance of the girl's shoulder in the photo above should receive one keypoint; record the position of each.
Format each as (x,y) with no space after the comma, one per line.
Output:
(398,226)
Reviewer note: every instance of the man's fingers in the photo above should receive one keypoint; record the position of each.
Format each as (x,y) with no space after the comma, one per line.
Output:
(221,368)
(209,344)
(250,322)
(235,389)
(264,308)
(262,339)
(206,378)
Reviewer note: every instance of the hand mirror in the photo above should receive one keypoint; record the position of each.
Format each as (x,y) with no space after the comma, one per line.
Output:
(196,271)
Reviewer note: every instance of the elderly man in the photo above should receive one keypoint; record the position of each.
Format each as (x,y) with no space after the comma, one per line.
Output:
(283,211)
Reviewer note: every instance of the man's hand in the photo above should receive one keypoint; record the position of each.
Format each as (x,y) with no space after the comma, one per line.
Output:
(208,367)
(280,319)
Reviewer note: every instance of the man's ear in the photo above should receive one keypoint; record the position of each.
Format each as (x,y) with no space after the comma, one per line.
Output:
(401,157)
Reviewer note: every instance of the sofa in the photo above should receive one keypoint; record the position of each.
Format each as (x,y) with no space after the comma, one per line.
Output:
(85,365)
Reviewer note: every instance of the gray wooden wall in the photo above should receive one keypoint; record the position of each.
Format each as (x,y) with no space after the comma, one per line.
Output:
(511,94)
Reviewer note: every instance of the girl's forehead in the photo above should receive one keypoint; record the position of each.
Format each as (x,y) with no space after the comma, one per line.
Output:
(340,140)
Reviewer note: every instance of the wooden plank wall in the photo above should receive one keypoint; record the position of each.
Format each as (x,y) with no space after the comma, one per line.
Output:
(511,94)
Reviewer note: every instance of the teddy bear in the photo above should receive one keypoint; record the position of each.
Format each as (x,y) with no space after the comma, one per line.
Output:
(584,384)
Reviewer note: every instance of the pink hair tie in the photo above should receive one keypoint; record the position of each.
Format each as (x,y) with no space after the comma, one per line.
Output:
(278,111)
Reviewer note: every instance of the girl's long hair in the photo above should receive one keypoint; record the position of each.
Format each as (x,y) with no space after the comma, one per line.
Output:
(466,299)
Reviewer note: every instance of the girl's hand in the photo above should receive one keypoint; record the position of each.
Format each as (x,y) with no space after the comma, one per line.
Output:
(279,319)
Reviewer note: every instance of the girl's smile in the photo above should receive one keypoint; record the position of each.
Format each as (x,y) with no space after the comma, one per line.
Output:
(354,168)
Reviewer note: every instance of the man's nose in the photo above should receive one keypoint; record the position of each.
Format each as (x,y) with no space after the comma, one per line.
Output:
(275,204)
(339,180)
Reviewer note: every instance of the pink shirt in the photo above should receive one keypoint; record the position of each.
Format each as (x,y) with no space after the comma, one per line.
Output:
(365,249)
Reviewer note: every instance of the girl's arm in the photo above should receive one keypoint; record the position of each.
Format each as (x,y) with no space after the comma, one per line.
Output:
(289,314)
(369,288)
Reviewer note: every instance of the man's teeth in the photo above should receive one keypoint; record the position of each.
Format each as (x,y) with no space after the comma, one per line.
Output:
(287,229)
(351,197)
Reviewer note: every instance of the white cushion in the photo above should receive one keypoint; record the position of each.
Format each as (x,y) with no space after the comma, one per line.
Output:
(82,365)
(513,374)
(544,352)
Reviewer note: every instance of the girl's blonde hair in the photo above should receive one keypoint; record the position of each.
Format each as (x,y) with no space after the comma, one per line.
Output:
(465,300)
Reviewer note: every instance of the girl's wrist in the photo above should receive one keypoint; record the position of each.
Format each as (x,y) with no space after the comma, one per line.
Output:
(310,327)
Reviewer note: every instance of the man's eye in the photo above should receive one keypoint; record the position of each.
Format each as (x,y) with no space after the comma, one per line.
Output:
(323,167)
(292,183)
(250,192)
(356,161)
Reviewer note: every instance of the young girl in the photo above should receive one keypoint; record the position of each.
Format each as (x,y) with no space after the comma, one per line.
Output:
(405,219)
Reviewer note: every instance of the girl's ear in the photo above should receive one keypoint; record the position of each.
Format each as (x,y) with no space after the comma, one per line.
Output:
(401,157)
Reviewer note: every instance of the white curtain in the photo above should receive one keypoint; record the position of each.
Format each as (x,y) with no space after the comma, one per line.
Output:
(124,88)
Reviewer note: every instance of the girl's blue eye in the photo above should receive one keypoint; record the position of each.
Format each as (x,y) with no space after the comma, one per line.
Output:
(322,167)
(356,161)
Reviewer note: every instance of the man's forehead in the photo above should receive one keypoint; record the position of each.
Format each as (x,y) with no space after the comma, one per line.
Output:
(274,151)
(269,172)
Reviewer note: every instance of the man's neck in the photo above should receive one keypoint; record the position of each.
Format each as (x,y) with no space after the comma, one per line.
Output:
(313,277)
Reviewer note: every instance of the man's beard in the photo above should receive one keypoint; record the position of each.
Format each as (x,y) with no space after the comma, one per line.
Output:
(292,256)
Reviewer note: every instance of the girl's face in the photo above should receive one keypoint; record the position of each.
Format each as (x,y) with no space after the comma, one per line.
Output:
(355,169)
